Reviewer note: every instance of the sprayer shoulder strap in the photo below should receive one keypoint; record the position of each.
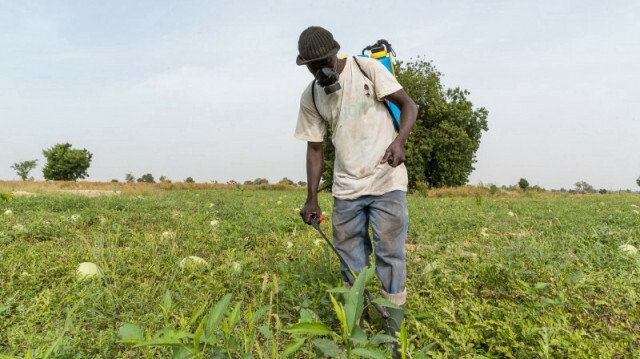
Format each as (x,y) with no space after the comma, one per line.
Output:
(313,98)
(393,118)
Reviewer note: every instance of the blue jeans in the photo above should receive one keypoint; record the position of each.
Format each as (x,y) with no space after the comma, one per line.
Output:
(389,218)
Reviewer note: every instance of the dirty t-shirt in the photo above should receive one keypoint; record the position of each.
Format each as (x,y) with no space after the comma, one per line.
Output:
(362,129)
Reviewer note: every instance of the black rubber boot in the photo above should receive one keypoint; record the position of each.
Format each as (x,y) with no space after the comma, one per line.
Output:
(391,327)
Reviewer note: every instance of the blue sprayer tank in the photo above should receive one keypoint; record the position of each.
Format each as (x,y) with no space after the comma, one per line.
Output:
(383,52)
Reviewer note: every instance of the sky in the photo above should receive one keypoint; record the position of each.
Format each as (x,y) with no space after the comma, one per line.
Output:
(210,89)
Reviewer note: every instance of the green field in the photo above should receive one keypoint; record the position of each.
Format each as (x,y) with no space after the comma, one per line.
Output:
(533,276)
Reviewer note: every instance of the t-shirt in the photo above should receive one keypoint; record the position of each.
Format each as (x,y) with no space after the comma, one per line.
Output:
(362,129)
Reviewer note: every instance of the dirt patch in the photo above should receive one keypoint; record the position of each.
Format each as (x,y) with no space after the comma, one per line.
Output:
(92,192)
(23,193)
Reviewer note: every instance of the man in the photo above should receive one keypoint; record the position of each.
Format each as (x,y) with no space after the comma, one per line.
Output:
(370,179)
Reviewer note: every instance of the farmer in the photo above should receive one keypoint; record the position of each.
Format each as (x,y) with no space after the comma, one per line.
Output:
(369,179)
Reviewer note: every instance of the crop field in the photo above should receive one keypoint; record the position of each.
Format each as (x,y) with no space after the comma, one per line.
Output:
(523,276)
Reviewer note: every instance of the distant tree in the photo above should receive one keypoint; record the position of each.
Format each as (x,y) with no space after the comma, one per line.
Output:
(537,188)
(493,189)
(523,184)
(602,191)
(189,180)
(115,180)
(232,182)
(129,178)
(638,180)
(248,182)
(147,178)
(287,182)
(584,187)
(23,168)
(65,163)
(259,181)
(164,179)
(302,183)
(563,189)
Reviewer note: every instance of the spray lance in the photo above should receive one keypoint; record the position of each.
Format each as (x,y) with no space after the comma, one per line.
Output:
(315,223)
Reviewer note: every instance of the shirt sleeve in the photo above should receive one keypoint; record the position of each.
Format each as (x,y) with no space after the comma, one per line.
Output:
(384,82)
(310,127)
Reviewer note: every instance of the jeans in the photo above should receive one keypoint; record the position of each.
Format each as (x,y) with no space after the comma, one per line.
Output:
(389,218)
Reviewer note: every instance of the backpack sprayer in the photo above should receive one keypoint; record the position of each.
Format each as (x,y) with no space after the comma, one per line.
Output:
(382,51)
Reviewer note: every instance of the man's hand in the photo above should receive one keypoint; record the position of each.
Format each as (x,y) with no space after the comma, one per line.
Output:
(308,210)
(395,152)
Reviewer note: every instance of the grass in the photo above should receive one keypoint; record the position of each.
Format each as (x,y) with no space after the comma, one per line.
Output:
(530,276)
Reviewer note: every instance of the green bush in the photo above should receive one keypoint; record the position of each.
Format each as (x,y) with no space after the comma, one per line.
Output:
(65,163)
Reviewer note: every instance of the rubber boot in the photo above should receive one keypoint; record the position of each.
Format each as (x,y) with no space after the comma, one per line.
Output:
(391,327)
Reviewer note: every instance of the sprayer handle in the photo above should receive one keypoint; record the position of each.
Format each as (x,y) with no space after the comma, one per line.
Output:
(316,219)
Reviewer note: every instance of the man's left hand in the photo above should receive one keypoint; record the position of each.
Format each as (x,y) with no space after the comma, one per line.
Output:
(395,151)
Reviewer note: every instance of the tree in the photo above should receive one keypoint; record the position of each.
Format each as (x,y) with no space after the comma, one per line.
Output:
(23,168)
(523,184)
(584,187)
(287,182)
(65,163)
(147,178)
(189,180)
(441,149)
(602,191)
(129,178)
(302,183)
(638,180)
(232,182)
(164,179)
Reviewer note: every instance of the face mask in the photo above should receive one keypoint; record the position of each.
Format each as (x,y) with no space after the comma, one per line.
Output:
(327,77)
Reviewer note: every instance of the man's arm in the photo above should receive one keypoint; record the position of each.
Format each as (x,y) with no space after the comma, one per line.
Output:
(408,114)
(315,165)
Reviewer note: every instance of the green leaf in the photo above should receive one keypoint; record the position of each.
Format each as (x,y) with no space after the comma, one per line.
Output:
(541,285)
(181,353)
(260,312)
(197,314)
(354,303)
(358,336)
(328,347)
(309,329)
(370,353)
(166,337)
(404,341)
(338,290)
(382,338)
(3,308)
(130,334)
(234,316)
(215,316)
(293,347)
(166,300)
(305,316)
(386,303)
(428,347)
(197,335)
(264,330)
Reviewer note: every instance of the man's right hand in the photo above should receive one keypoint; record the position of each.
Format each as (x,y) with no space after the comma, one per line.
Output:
(309,209)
